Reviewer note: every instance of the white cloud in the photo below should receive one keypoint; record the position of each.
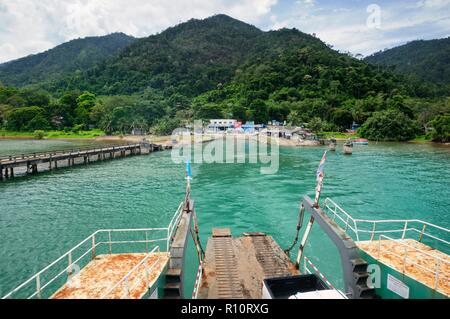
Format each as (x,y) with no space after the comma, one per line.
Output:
(347,30)
(29,26)
(433,3)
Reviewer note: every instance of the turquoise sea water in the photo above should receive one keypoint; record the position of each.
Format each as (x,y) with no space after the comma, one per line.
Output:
(43,216)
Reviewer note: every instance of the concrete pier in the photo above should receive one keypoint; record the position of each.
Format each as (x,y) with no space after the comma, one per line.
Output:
(30,162)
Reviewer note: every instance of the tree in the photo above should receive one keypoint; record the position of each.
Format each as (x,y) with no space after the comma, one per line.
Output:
(166,125)
(259,111)
(19,119)
(315,124)
(85,103)
(441,129)
(389,125)
(207,111)
(342,118)
(39,122)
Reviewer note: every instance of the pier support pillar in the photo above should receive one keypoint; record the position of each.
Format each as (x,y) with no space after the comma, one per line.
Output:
(1,173)
(12,171)
(6,173)
(56,164)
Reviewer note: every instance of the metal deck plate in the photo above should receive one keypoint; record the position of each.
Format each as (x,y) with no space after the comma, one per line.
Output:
(235,267)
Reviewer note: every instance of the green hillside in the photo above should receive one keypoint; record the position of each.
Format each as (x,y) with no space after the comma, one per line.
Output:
(73,56)
(426,60)
(221,67)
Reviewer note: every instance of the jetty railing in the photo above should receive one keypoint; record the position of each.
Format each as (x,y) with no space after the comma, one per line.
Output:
(21,156)
(366,229)
(44,283)
(126,279)
(437,272)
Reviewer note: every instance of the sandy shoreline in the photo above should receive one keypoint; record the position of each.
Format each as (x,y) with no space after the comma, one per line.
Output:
(167,140)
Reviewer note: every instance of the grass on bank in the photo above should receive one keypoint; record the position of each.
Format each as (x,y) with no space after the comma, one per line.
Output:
(423,138)
(338,135)
(53,134)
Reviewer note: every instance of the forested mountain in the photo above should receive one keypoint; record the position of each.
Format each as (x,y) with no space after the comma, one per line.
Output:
(220,67)
(200,55)
(53,64)
(426,60)
(190,58)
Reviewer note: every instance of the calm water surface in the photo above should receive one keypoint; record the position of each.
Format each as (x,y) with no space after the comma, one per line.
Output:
(43,216)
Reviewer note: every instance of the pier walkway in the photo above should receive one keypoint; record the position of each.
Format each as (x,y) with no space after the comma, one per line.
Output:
(28,163)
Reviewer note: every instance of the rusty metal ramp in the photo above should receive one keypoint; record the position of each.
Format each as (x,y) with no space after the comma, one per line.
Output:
(234,267)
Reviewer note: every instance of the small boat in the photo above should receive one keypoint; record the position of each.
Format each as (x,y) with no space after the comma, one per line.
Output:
(361,141)
(332,145)
(348,147)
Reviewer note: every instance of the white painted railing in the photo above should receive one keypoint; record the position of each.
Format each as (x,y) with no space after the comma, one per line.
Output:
(63,267)
(198,281)
(125,280)
(364,229)
(307,263)
(439,263)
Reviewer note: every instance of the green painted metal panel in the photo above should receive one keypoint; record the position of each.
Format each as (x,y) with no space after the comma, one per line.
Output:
(417,290)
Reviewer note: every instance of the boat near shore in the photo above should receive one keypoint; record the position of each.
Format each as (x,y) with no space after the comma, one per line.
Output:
(361,141)
(348,147)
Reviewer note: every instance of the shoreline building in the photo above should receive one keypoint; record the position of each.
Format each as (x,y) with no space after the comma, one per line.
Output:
(221,125)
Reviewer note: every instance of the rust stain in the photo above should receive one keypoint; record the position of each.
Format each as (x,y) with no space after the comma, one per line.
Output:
(101,274)
(389,248)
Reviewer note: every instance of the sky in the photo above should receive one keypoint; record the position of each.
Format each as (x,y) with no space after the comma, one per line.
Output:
(356,26)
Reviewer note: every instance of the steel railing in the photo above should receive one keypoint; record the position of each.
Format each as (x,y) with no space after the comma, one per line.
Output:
(125,280)
(198,281)
(316,270)
(437,271)
(65,264)
(371,228)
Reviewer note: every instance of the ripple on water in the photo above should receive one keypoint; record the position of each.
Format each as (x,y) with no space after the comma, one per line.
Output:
(42,216)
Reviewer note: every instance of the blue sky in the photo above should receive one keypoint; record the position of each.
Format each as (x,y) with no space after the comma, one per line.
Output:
(357,26)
